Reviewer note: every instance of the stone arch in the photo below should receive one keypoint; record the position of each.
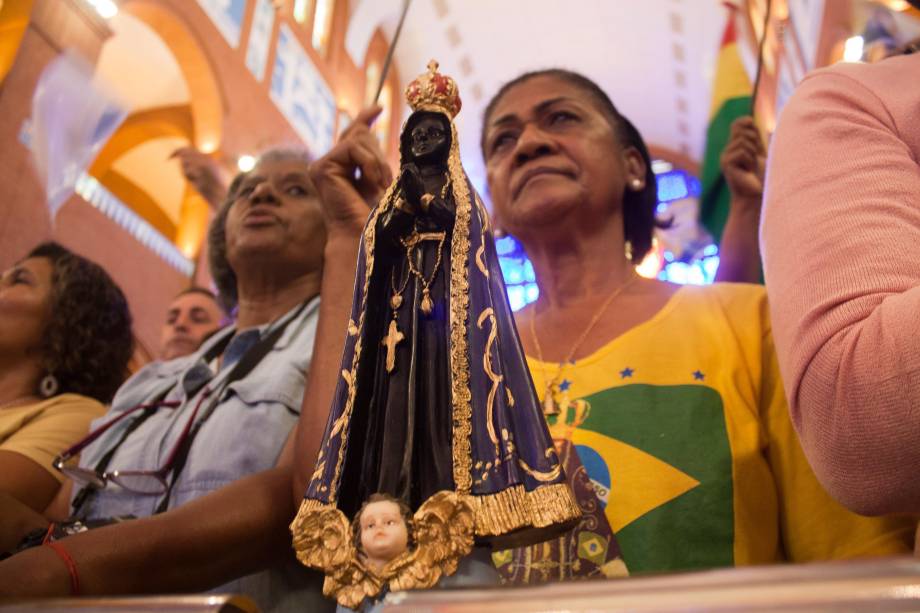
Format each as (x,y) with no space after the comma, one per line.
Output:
(175,99)
(205,92)
(14,19)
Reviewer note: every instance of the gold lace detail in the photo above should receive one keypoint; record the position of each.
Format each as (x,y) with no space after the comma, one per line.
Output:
(541,475)
(459,309)
(496,379)
(515,508)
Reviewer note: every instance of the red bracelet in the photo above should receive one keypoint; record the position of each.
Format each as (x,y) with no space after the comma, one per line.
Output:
(47,538)
(71,566)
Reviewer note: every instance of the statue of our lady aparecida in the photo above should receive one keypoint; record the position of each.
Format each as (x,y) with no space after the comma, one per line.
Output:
(435,408)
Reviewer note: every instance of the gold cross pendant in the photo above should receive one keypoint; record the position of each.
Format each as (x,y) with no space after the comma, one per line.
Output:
(393,337)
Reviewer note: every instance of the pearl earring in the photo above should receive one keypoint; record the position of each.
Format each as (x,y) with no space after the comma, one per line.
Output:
(48,386)
(636,184)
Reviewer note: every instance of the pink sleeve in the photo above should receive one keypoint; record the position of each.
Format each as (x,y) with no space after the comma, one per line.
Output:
(841,247)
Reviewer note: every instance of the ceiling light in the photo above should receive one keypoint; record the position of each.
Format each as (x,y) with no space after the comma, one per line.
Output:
(106,8)
(853,49)
(207,146)
(246,163)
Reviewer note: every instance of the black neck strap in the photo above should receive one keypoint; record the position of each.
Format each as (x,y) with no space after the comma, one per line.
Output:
(243,367)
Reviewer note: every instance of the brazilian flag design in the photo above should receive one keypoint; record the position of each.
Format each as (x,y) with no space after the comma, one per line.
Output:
(660,462)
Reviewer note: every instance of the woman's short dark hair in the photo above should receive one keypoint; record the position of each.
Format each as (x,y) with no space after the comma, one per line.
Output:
(639,208)
(88,342)
(221,271)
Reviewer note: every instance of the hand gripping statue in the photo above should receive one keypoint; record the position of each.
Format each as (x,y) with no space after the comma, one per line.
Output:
(435,407)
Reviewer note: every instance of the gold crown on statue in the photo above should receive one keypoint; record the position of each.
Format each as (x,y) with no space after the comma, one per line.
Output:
(433,91)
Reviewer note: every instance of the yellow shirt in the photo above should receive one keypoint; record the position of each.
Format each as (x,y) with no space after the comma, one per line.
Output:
(42,430)
(683,429)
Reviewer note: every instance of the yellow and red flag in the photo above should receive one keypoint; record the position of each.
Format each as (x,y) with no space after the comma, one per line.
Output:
(731,98)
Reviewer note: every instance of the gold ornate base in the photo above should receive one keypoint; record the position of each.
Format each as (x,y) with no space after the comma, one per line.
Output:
(444,530)
(443,533)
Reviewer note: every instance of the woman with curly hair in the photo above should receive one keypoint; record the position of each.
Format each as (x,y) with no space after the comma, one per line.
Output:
(65,342)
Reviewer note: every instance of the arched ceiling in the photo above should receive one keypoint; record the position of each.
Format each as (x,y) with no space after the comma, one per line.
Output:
(655,58)
(141,69)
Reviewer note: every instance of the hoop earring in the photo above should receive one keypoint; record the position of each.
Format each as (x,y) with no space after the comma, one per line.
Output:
(48,386)
(627,248)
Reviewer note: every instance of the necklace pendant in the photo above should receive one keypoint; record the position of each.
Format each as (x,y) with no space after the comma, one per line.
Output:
(549,405)
(393,338)
(427,305)
(395,301)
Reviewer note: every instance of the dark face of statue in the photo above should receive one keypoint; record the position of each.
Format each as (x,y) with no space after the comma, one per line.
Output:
(428,140)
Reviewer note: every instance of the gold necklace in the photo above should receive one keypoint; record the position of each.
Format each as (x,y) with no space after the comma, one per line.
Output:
(394,336)
(396,299)
(550,406)
(16,401)
(426,305)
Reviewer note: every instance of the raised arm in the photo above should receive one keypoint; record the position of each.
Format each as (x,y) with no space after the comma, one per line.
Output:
(743,163)
(347,203)
(231,532)
(840,235)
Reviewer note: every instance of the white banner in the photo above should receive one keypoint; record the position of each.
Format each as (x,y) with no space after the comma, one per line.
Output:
(301,94)
(260,38)
(227,16)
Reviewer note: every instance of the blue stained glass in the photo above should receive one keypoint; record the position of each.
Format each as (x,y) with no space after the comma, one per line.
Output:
(505,245)
(676,272)
(695,275)
(711,266)
(672,186)
(516,297)
(528,272)
(531,292)
(512,271)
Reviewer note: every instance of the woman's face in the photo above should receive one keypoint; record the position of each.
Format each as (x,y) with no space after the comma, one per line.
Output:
(25,305)
(276,219)
(552,156)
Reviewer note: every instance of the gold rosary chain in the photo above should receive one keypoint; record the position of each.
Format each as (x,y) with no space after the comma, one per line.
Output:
(410,247)
(404,283)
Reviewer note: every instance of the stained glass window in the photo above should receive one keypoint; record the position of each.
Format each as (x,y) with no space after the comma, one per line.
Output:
(322,24)
(302,10)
